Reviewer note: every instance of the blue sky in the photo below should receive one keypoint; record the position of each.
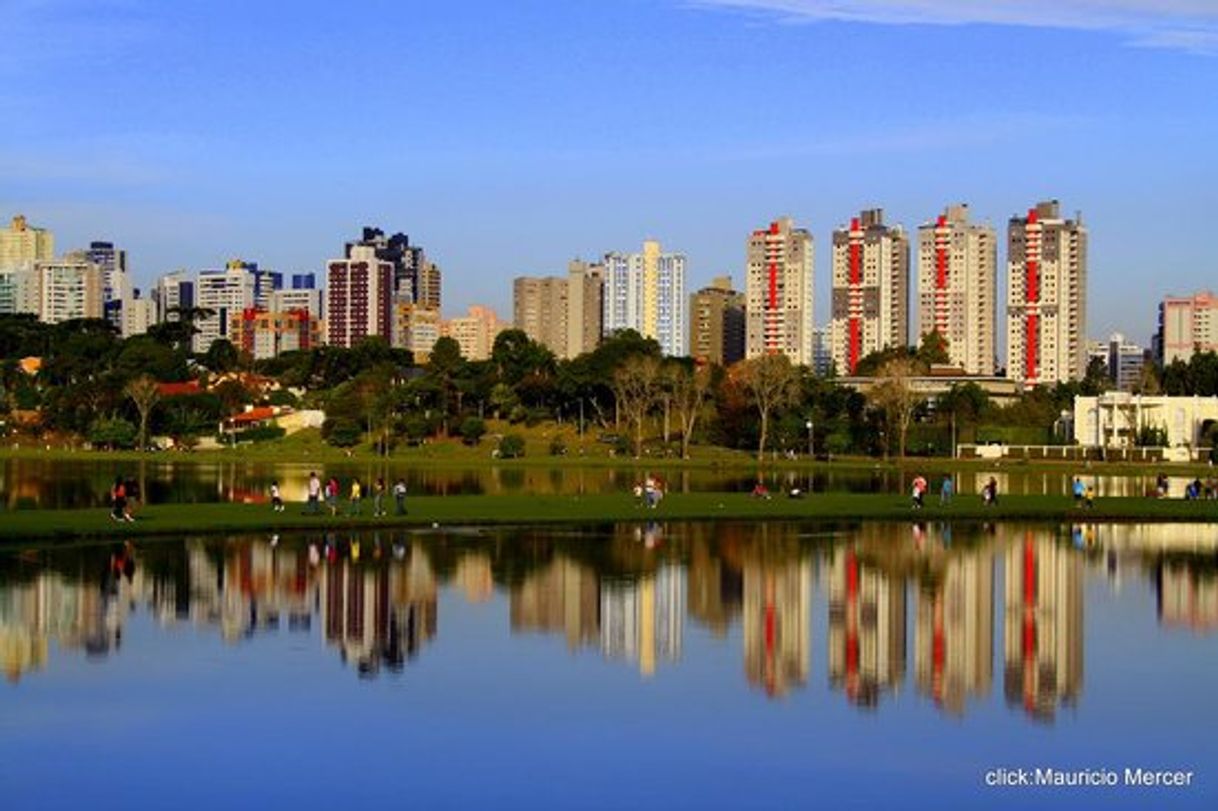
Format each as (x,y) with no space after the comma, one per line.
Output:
(509,137)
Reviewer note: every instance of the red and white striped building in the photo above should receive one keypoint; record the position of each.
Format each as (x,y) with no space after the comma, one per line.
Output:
(958,288)
(870,290)
(1046,297)
(778,285)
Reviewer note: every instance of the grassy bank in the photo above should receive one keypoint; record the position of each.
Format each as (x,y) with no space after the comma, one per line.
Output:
(194,519)
(308,448)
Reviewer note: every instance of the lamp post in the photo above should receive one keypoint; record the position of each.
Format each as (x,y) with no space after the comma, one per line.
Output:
(811,439)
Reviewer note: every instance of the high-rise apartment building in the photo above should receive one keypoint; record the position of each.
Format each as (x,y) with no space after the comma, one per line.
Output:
(1124,361)
(227,293)
(427,288)
(267,334)
(306,299)
(1046,297)
(19,292)
(69,288)
(585,306)
(406,258)
(778,292)
(113,265)
(645,292)
(958,288)
(416,328)
(474,332)
(539,308)
(716,323)
(1187,324)
(870,289)
(359,297)
(21,245)
(172,292)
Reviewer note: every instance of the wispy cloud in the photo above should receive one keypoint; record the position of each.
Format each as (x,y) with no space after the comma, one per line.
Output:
(1187,25)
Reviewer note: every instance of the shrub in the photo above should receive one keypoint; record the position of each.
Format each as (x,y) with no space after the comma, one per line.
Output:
(511,447)
(558,447)
(112,433)
(472,430)
(261,433)
(341,432)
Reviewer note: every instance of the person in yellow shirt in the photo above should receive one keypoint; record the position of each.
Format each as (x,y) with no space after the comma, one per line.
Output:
(356,495)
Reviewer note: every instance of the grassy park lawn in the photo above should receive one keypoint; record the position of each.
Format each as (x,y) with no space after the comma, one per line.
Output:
(586,451)
(194,519)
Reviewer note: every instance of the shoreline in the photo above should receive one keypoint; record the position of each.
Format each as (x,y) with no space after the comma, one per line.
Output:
(161,520)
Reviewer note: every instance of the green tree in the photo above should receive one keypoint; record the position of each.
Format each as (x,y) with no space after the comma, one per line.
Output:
(144,393)
(772,384)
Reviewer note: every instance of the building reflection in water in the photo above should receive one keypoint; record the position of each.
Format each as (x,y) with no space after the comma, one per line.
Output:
(1043,625)
(376,604)
(866,628)
(954,631)
(777,624)
(563,598)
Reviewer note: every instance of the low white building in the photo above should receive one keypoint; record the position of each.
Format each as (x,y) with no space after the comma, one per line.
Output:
(1116,418)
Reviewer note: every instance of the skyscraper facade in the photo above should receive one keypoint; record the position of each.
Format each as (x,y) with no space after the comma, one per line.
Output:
(359,297)
(645,292)
(21,245)
(585,306)
(1046,297)
(172,292)
(539,308)
(958,288)
(1187,324)
(69,288)
(870,289)
(778,292)
(716,323)
(226,293)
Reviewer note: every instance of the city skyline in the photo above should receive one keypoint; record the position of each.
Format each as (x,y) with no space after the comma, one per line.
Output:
(497,167)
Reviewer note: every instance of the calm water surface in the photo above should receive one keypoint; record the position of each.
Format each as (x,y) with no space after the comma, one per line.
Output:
(41,483)
(664,665)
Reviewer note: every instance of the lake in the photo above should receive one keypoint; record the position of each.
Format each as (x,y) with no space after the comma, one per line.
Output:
(709,665)
(27,483)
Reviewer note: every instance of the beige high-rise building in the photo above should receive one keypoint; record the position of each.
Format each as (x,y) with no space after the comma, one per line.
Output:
(958,288)
(539,308)
(779,294)
(474,332)
(1187,325)
(585,307)
(69,288)
(716,323)
(21,245)
(416,328)
(1046,297)
(870,289)
(427,294)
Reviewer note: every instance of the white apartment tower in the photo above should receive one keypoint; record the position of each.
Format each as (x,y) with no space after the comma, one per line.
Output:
(958,288)
(646,292)
(1046,297)
(870,289)
(778,292)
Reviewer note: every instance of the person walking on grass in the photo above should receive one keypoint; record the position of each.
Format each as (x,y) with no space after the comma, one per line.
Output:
(357,492)
(919,492)
(378,498)
(313,491)
(276,499)
(945,491)
(1079,491)
(332,495)
(118,501)
(399,495)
